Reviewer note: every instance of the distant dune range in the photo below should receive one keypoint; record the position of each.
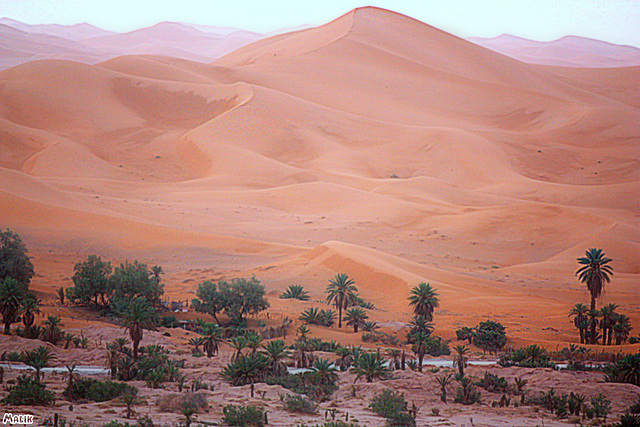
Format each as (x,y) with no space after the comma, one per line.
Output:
(374,145)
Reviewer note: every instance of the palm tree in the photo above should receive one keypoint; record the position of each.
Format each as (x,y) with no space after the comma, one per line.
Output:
(303,331)
(295,292)
(324,371)
(113,357)
(622,329)
(302,354)
(276,351)
(246,370)
(237,344)
(196,343)
(52,332)
(594,273)
(254,341)
(130,398)
(212,339)
(419,325)
(68,339)
(593,316)
(345,358)
(12,293)
(424,300)
(443,380)
(395,354)
(72,375)
(609,318)
(460,359)
(420,347)
(520,384)
(356,317)
(371,366)
(580,321)
(37,358)
(137,315)
(30,307)
(342,292)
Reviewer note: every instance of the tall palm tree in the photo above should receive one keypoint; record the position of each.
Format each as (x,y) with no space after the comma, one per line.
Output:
(609,318)
(594,273)
(30,307)
(580,320)
(461,357)
(420,347)
(424,300)
(276,351)
(371,366)
(12,293)
(356,317)
(342,292)
(395,354)
(137,316)
(593,316)
(212,339)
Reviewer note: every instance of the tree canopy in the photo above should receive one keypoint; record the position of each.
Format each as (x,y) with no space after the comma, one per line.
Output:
(91,280)
(14,261)
(237,298)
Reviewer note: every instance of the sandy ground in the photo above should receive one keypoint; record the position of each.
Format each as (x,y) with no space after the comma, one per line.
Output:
(347,148)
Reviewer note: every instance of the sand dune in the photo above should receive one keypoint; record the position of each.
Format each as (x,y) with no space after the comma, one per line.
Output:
(569,51)
(374,145)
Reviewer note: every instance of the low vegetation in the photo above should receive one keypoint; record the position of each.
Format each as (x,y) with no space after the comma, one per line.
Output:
(393,407)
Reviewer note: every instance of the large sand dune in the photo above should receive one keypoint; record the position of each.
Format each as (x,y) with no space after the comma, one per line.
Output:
(374,145)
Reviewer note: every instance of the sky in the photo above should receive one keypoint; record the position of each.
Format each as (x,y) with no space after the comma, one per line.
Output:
(615,21)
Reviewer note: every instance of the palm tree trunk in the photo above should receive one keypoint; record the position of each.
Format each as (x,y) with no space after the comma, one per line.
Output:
(7,328)
(581,336)
(340,316)
(604,336)
(136,343)
(610,336)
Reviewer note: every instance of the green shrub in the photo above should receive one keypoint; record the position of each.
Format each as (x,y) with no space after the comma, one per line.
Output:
(382,337)
(28,391)
(295,292)
(601,405)
(300,404)
(91,389)
(320,317)
(169,322)
(490,336)
(465,334)
(635,408)
(628,420)
(493,383)
(438,347)
(466,393)
(625,370)
(243,416)
(307,383)
(392,406)
(177,402)
(532,356)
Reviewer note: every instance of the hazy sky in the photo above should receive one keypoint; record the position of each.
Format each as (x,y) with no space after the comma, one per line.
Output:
(616,21)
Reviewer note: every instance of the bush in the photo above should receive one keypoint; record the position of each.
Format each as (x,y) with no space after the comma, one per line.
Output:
(626,370)
(314,316)
(392,406)
(438,347)
(532,356)
(307,383)
(382,337)
(177,402)
(316,344)
(30,392)
(628,420)
(635,408)
(295,292)
(466,393)
(91,389)
(490,336)
(299,404)
(243,416)
(465,333)
(169,322)
(493,383)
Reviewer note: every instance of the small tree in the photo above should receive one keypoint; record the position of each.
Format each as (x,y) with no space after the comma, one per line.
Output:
(460,358)
(242,297)
(30,307)
(424,300)
(341,292)
(14,261)
(136,316)
(490,336)
(133,280)
(38,358)
(208,300)
(443,381)
(91,282)
(371,366)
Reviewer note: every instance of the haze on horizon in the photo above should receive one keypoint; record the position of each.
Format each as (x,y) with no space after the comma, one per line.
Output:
(543,20)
